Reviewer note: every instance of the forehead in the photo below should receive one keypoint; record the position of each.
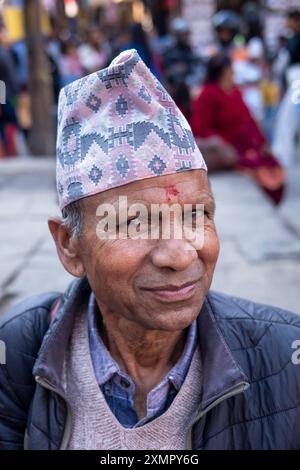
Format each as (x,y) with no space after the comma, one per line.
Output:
(182,186)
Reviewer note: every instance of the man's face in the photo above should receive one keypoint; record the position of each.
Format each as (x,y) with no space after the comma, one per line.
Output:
(157,283)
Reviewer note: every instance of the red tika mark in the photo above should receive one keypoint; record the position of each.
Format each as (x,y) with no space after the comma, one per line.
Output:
(171,191)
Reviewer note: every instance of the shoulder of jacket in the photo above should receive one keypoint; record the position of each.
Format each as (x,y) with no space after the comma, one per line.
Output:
(262,338)
(23,327)
(229,308)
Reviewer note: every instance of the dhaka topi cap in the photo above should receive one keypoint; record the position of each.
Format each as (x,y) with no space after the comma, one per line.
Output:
(117,126)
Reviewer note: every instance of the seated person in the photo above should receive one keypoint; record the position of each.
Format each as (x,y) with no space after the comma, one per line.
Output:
(219,113)
(138,353)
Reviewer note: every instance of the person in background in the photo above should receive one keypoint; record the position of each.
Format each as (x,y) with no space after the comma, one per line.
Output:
(179,58)
(262,93)
(219,112)
(181,65)
(8,117)
(226,24)
(280,60)
(70,67)
(134,37)
(252,77)
(53,52)
(24,111)
(140,43)
(252,18)
(293,44)
(92,55)
(287,124)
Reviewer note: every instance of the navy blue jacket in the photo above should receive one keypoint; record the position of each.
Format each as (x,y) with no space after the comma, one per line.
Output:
(251,385)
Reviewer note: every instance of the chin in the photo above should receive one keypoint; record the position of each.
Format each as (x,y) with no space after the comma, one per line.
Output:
(176,319)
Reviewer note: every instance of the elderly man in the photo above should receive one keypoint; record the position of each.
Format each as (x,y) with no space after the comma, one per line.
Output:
(138,354)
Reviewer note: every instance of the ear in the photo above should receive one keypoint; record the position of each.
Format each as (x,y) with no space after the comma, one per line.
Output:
(67,247)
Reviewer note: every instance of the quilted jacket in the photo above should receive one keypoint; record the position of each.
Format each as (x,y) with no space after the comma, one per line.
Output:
(251,384)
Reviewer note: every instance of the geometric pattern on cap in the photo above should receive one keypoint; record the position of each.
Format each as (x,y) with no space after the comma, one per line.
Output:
(117,126)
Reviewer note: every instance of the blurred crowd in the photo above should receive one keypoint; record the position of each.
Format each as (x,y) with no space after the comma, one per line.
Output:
(241,99)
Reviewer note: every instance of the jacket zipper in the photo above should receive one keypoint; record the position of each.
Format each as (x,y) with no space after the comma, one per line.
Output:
(239,389)
(68,425)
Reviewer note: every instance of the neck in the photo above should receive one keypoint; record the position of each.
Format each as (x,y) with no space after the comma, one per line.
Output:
(225,85)
(146,355)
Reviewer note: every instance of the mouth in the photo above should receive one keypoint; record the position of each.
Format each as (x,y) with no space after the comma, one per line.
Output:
(173,293)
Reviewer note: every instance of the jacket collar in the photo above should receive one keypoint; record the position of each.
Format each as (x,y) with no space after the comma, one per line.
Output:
(49,364)
(220,371)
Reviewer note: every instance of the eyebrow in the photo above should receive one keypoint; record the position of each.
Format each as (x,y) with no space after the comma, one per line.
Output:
(202,197)
(206,199)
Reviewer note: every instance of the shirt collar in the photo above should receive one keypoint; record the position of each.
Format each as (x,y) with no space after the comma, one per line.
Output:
(104,365)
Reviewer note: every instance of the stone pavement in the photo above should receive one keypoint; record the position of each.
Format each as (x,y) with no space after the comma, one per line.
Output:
(260,245)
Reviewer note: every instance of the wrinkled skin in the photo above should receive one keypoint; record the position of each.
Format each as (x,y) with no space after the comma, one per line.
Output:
(143,324)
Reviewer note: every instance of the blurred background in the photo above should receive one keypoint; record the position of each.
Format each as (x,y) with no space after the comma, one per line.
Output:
(233,68)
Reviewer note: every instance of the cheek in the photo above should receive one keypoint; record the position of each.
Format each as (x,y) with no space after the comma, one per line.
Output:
(210,252)
(115,262)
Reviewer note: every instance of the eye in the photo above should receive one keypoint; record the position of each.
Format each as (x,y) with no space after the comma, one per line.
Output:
(135,224)
(132,219)
(199,216)
(125,223)
(199,213)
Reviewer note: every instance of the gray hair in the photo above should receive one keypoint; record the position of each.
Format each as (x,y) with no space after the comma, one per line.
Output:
(72,217)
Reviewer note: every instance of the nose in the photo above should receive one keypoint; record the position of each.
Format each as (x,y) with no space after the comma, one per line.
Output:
(173,254)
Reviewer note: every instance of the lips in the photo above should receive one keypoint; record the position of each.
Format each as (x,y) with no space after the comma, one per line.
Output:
(173,293)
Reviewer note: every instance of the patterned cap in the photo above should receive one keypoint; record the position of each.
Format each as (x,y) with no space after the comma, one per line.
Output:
(117,126)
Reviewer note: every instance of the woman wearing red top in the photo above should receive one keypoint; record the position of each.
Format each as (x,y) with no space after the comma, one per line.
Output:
(220,114)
